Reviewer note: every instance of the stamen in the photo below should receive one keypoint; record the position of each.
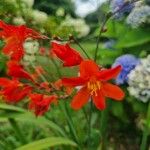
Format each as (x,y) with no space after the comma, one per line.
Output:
(98,84)
(94,87)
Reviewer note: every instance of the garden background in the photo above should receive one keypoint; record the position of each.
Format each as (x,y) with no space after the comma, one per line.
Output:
(120,31)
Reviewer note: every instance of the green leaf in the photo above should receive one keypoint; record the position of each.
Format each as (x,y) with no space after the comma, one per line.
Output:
(134,37)
(125,35)
(46,143)
(9,111)
(11,108)
(115,29)
(30,117)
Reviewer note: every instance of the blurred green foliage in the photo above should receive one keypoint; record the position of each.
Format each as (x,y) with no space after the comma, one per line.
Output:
(51,6)
(125,119)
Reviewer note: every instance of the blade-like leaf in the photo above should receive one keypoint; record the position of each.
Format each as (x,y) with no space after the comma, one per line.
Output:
(11,108)
(9,111)
(131,37)
(46,143)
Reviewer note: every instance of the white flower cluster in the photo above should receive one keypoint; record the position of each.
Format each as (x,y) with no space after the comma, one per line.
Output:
(39,17)
(60,12)
(139,80)
(78,25)
(31,48)
(28,3)
(19,21)
(138,16)
(36,16)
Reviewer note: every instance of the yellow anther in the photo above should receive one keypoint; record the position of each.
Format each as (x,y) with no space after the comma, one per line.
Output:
(98,84)
(88,85)
(20,85)
(94,87)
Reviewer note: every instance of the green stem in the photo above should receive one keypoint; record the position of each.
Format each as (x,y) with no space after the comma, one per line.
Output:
(61,132)
(84,51)
(70,122)
(85,114)
(144,145)
(17,130)
(100,33)
(103,128)
(89,123)
(57,68)
(66,110)
(42,77)
(107,17)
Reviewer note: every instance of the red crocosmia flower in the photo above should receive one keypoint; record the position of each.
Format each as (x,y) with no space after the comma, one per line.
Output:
(40,103)
(16,70)
(45,86)
(14,37)
(13,91)
(68,55)
(58,85)
(94,84)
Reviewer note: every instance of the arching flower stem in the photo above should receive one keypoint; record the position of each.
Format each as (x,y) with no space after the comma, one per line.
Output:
(146,130)
(106,18)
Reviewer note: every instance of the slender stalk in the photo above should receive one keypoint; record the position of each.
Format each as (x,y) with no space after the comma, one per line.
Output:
(17,130)
(89,123)
(66,111)
(42,77)
(62,133)
(84,51)
(103,127)
(57,68)
(146,131)
(100,33)
(70,123)
(143,145)
(85,114)
(106,18)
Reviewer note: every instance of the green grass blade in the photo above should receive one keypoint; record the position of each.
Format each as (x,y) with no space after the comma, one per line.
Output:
(47,143)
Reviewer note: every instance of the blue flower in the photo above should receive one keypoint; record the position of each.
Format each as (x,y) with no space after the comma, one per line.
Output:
(128,63)
(121,5)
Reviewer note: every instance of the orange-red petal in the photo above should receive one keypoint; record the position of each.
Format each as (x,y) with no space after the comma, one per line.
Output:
(23,93)
(68,55)
(99,100)
(40,103)
(80,98)
(108,74)
(14,37)
(15,93)
(16,70)
(113,91)
(88,68)
(4,81)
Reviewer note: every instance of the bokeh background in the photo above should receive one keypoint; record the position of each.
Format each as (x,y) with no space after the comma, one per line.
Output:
(127,34)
